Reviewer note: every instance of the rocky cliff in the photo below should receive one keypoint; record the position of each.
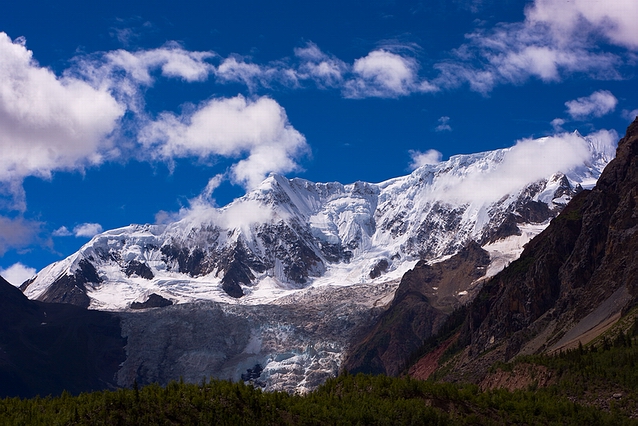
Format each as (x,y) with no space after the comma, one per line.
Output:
(571,282)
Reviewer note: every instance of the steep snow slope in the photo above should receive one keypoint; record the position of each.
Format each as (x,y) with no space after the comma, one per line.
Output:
(291,234)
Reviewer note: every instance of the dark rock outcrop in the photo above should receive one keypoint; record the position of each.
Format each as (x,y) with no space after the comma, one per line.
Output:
(46,348)
(140,269)
(71,288)
(153,301)
(425,297)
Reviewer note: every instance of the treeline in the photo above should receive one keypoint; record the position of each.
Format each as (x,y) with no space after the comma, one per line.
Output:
(594,385)
(348,399)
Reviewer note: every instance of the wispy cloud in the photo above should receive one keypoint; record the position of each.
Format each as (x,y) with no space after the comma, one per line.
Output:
(84,230)
(614,20)
(597,104)
(62,231)
(325,70)
(528,161)
(444,125)
(419,159)
(557,124)
(630,115)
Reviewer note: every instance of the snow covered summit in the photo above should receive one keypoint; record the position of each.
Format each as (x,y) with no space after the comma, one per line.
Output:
(291,234)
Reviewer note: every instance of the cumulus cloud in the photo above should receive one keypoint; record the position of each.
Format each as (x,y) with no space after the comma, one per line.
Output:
(47,122)
(597,104)
(16,233)
(431,156)
(17,273)
(258,131)
(87,230)
(614,20)
(325,70)
(443,125)
(382,74)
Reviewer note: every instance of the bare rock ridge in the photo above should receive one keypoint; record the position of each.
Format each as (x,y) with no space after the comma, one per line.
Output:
(425,297)
(576,276)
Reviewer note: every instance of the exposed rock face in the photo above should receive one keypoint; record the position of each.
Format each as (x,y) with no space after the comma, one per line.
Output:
(46,348)
(153,301)
(574,276)
(424,298)
(139,269)
(72,288)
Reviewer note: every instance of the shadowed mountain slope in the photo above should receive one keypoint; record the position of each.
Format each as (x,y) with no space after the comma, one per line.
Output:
(571,282)
(46,348)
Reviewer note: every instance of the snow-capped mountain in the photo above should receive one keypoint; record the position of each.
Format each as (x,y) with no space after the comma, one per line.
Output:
(290,234)
(275,286)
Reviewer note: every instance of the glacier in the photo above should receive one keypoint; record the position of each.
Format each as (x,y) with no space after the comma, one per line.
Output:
(291,247)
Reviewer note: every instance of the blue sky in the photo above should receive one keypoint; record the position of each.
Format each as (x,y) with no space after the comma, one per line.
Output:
(121,112)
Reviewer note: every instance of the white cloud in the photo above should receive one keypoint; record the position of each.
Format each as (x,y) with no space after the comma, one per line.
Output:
(557,124)
(173,61)
(513,53)
(325,70)
(615,20)
(382,74)
(47,122)
(431,156)
(17,273)
(528,161)
(604,143)
(231,127)
(443,125)
(62,231)
(597,104)
(87,230)
(239,71)
(557,38)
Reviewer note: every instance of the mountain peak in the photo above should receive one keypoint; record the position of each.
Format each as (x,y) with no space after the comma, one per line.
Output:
(293,233)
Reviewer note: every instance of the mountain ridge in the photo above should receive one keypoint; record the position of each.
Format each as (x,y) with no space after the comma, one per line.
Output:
(291,233)
(570,284)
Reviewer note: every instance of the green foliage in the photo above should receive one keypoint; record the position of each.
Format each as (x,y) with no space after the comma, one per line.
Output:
(593,375)
(348,399)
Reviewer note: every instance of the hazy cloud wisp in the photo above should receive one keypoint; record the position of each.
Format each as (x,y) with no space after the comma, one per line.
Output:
(597,104)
